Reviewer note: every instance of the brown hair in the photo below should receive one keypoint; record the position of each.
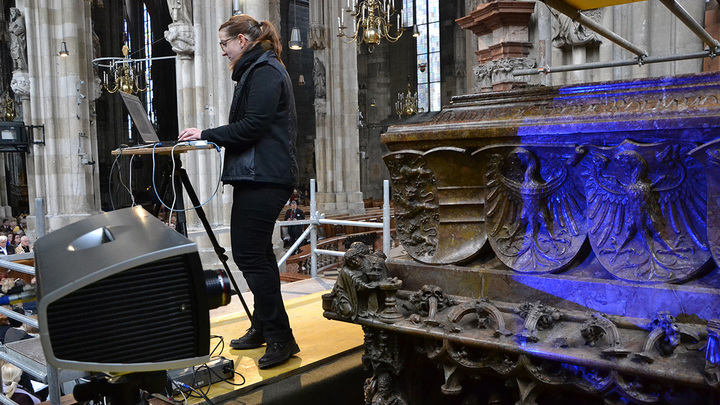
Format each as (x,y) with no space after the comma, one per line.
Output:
(263,31)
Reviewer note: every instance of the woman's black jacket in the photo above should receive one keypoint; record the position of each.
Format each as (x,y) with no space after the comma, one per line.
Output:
(260,138)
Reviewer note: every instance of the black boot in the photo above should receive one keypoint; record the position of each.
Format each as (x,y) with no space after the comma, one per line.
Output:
(251,340)
(278,353)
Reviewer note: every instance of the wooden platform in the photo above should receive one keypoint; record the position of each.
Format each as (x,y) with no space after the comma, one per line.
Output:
(320,341)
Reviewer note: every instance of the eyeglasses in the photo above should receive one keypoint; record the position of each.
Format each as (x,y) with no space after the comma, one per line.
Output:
(224,42)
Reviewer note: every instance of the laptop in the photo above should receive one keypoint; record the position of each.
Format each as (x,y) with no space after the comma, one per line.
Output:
(142,123)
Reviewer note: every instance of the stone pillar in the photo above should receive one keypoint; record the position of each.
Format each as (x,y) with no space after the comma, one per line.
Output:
(337,144)
(503,42)
(62,171)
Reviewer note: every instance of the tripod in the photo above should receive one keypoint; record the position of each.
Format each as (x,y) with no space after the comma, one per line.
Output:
(180,179)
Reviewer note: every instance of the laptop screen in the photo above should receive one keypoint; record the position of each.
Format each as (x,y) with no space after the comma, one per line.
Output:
(139,117)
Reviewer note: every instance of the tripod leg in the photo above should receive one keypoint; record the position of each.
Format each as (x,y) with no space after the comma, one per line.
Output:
(219,250)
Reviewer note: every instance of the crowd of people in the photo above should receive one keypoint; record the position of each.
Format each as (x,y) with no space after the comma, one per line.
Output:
(13,239)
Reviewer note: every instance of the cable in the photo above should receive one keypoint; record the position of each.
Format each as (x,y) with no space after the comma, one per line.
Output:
(220,344)
(115,162)
(217,186)
(227,380)
(200,393)
(130,169)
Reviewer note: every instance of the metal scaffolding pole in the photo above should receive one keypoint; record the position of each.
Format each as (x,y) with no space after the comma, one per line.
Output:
(694,26)
(576,15)
(600,65)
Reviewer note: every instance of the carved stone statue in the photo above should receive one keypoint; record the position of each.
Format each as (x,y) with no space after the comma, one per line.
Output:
(319,78)
(18,41)
(568,33)
(380,390)
(357,292)
(180,11)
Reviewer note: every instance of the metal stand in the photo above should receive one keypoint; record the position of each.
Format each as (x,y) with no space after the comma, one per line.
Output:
(180,179)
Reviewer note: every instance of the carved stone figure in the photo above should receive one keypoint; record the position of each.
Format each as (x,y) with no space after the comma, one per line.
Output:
(356,292)
(380,390)
(18,40)
(319,78)
(568,33)
(180,11)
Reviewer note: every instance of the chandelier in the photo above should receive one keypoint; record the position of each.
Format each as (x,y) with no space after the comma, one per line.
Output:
(125,74)
(371,22)
(407,103)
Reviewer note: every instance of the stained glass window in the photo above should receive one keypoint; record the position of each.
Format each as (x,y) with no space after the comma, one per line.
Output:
(427,13)
(148,65)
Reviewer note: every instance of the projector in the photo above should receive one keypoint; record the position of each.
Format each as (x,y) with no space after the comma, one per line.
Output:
(122,292)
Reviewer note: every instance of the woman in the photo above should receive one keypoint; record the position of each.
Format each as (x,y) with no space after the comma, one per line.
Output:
(260,164)
(11,375)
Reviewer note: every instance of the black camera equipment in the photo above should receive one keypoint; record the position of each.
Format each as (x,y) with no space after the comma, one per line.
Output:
(121,292)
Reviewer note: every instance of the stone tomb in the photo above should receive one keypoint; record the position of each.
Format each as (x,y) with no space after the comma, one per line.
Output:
(559,245)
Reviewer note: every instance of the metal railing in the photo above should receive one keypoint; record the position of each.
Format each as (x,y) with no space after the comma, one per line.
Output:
(48,375)
(317,219)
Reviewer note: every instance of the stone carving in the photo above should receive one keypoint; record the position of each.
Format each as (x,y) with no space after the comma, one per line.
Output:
(646,211)
(382,351)
(317,37)
(319,79)
(500,71)
(380,390)
(182,38)
(416,211)
(438,224)
(598,327)
(538,316)
(665,335)
(535,209)
(360,290)
(712,354)
(709,156)
(487,315)
(180,11)
(568,33)
(18,40)
(20,84)
(428,301)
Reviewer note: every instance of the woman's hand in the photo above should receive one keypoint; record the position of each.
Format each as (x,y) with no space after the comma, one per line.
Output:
(189,134)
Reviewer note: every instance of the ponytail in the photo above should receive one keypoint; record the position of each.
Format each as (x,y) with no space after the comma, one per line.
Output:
(256,32)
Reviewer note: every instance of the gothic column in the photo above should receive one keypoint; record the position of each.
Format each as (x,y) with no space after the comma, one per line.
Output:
(502,28)
(62,171)
(337,144)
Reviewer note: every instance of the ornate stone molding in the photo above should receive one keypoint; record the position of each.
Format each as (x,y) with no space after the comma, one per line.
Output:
(182,38)
(543,348)
(497,74)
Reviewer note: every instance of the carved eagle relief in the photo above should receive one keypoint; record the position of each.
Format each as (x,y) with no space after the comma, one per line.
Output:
(535,209)
(709,156)
(646,211)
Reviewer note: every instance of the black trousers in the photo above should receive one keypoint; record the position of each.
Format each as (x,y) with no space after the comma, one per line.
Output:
(254,212)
